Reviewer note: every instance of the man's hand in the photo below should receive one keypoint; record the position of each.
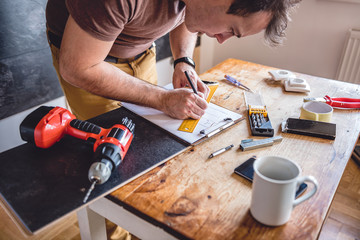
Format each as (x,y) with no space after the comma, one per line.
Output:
(183,103)
(180,80)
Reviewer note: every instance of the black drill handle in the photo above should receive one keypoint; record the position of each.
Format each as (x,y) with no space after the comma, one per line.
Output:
(85,126)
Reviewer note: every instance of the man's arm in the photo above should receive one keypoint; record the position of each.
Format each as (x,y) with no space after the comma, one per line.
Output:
(82,64)
(182,45)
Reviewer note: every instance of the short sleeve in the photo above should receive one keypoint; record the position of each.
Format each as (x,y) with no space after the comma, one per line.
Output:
(103,19)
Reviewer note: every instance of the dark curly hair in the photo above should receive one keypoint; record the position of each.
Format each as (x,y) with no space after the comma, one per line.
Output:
(280,9)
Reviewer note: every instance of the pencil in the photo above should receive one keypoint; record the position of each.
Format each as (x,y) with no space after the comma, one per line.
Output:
(191,84)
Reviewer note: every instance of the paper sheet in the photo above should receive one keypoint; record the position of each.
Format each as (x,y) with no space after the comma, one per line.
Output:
(211,120)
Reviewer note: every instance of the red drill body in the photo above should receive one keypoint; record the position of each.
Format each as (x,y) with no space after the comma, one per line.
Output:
(47,125)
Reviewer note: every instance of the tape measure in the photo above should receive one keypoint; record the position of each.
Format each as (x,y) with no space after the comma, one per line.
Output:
(188,125)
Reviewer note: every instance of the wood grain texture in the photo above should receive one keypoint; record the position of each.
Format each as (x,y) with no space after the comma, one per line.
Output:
(340,223)
(203,199)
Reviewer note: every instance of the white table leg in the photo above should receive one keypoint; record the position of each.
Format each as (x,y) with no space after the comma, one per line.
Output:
(92,225)
(130,222)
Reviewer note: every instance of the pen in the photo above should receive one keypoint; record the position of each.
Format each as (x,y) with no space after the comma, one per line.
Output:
(220,129)
(191,84)
(221,151)
(225,119)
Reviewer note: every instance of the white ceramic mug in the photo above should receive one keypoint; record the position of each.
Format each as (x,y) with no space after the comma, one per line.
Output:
(276,180)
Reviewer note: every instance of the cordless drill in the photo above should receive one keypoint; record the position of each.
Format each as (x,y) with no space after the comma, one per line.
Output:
(47,125)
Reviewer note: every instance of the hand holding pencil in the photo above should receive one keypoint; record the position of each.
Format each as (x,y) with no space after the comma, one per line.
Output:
(180,80)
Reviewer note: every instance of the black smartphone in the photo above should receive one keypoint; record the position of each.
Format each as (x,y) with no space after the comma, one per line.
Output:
(246,170)
(310,128)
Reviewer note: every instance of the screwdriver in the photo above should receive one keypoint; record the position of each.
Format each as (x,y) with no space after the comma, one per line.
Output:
(237,83)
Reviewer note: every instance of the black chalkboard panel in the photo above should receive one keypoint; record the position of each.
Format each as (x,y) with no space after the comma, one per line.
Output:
(42,185)
(27,77)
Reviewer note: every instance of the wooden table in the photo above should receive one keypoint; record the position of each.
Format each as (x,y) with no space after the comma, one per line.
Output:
(194,197)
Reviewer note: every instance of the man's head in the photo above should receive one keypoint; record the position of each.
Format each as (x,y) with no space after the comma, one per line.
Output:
(240,18)
(279,9)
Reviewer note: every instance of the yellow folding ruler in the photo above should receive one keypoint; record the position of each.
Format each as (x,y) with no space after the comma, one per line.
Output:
(188,125)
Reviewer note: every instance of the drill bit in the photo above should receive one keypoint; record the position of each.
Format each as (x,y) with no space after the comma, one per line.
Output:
(128,123)
(90,190)
(125,120)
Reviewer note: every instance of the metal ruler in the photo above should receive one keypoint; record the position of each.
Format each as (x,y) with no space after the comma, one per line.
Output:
(189,125)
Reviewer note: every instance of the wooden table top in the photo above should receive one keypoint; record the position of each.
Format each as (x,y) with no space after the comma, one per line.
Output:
(201,198)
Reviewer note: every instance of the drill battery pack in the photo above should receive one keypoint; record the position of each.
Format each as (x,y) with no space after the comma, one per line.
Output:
(260,124)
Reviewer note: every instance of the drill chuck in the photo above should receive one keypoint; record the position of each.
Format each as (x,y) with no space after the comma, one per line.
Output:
(107,157)
(99,172)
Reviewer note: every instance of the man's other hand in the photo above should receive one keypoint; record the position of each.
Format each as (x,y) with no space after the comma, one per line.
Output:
(180,80)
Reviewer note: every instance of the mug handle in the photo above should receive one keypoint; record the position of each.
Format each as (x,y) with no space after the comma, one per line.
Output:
(309,194)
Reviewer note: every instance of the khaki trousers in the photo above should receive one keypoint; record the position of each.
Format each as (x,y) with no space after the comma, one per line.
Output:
(85,105)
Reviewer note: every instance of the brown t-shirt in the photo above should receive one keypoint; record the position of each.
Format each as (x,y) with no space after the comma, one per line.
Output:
(133,24)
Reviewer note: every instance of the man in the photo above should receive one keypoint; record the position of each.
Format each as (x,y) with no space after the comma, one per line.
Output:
(102,49)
